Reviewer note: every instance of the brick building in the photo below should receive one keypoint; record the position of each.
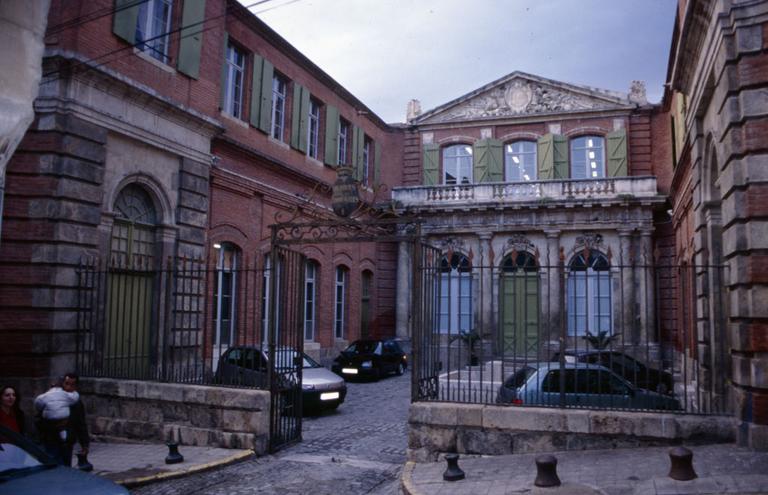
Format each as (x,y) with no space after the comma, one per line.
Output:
(181,130)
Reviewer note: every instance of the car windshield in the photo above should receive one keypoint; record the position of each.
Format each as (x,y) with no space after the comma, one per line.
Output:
(365,347)
(18,456)
(521,376)
(286,357)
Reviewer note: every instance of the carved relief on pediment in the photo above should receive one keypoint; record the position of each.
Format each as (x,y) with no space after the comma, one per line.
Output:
(519,97)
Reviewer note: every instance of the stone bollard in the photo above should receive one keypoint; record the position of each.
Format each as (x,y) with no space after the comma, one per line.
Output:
(682,464)
(546,471)
(453,472)
(173,456)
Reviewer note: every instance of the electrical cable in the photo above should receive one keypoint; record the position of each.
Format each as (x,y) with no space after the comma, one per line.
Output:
(52,75)
(91,16)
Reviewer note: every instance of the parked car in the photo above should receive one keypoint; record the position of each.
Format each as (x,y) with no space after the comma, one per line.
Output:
(629,368)
(247,365)
(584,385)
(371,359)
(26,470)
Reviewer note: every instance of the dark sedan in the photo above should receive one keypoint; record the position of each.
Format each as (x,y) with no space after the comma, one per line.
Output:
(371,359)
(629,368)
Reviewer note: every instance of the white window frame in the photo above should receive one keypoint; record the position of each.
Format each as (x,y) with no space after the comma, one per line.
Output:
(221,328)
(588,152)
(313,129)
(155,30)
(455,299)
(343,141)
(340,302)
(279,92)
(233,95)
(310,299)
(519,162)
(457,159)
(586,290)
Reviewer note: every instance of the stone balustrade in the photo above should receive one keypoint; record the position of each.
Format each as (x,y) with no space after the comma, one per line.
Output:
(547,191)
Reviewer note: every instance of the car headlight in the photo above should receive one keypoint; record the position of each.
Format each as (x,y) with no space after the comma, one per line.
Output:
(367,364)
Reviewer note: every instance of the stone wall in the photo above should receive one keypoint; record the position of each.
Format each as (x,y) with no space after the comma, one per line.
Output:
(436,428)
(190,414)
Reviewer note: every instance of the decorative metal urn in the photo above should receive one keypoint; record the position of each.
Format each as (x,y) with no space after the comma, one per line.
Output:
(345,197)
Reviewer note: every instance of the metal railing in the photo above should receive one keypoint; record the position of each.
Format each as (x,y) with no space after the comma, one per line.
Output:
(596,335)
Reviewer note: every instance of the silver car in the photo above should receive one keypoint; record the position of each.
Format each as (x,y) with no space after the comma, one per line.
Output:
(578,385)
(247,366)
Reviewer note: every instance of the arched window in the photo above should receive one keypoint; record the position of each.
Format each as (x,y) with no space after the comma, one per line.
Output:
(340,303)
(457,164)
(587,157)
(365,304)
(310,299)
(520,161)
(589,294)
(455,305)
(225,297)
(132,243)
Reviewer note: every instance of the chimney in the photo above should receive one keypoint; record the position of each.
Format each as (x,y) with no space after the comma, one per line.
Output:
(413,111)
(637,93)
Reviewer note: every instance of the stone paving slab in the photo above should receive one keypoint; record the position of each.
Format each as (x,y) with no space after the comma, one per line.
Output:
(134,464)
(721,469)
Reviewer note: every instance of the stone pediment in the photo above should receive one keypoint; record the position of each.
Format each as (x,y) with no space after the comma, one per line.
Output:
(521,94)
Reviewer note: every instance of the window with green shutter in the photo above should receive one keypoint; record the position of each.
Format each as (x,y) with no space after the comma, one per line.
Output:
(331,135)
(431,164)
(617,153)
(545,157)
(457,164)
(560,156)
(520,161)
(377,163)
(587,157)
(191,37)
(261,93)
(488,159)
(125,19)
(300,114)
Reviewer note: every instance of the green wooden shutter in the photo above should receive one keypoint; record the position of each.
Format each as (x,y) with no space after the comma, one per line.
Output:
(256,82)
(560,156)
(431,164)
(125,19)
(545,157)
(331,135)
(617,153)
(191,37)
(224,71)
(495,160)
(358,143)
(377,163)
(300,114)
(480,161)
(265,107)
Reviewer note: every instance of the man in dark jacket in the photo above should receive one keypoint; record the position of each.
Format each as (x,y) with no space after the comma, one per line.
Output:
(76,428)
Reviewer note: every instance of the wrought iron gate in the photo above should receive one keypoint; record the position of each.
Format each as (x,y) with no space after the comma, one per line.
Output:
(285,345)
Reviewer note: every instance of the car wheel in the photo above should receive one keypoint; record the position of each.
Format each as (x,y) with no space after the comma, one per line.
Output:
(400,369)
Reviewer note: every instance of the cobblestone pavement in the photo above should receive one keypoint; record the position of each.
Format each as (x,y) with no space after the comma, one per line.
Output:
(358,449)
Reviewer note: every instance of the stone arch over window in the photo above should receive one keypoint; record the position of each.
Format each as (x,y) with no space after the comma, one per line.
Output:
(133,239)
(155,192)
(589,293)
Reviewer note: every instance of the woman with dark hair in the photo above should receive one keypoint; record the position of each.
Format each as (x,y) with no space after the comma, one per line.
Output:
(11,415)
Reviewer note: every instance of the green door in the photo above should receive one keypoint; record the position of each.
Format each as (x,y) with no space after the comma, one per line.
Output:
(519,306)
(130,286)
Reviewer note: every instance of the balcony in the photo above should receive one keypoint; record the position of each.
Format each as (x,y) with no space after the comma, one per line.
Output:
(535,193)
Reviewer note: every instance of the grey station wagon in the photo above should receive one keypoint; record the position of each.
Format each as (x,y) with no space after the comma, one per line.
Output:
(247,366)
(582,385)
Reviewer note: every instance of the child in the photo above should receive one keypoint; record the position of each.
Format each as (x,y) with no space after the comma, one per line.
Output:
(54,405)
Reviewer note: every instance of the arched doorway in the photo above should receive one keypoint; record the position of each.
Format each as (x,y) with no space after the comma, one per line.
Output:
(131,309)
(519,305)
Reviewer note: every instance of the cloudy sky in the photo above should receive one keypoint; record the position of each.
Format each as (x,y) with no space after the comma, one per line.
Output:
(388,51)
